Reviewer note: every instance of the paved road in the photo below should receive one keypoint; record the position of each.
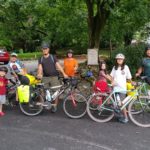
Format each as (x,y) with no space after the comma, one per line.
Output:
(57,132)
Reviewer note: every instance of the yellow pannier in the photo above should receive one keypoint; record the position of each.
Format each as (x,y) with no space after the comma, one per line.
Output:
(23,93)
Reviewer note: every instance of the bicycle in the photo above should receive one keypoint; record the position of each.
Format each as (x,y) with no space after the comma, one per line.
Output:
(102,107)
(74,104)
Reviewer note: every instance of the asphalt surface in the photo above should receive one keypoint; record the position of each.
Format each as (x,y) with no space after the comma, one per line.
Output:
(58,132)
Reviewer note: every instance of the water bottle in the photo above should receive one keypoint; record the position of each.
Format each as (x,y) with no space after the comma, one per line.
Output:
(55,94)
(48,96)
(118,100)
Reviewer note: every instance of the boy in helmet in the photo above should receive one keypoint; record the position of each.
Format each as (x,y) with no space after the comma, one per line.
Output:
(70,64)
(3,83)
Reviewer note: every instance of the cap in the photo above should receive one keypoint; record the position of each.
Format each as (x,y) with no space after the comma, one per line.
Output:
(14,54)
(120,56)
(45,45)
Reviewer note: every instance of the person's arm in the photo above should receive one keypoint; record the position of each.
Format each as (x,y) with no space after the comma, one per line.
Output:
(40,71)
(24,69)
(61,69)
(140,70)
(76,65)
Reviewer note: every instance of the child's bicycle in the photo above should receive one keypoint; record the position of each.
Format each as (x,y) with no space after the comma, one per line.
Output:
(102,107)
(74,104)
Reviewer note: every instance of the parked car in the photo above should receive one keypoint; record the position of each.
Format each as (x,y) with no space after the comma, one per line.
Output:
(4,56)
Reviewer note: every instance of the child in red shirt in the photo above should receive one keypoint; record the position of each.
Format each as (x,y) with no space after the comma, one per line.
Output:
(101,83)
(3,83)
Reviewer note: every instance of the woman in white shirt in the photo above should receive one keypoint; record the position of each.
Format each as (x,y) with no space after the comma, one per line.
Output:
(120,74)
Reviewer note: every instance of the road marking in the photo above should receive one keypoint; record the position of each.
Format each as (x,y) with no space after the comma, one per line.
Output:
(58,136)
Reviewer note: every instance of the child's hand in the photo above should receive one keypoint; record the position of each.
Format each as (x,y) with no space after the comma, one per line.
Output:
(133,83)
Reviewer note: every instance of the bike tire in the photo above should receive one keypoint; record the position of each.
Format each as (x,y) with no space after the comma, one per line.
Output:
(31,109)
(95,109)
(141,119)
(73,111)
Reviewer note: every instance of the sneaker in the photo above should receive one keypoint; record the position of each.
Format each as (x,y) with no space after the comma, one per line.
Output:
(2,114)
(54,109)
(123,120)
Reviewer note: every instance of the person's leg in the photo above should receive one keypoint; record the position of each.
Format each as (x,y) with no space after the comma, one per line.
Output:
(124,111)
(55,82)
(2,101)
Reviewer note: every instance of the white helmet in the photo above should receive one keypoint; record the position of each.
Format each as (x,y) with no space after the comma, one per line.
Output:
(120,56)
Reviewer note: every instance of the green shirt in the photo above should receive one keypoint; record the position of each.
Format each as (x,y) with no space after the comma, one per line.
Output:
(146,66)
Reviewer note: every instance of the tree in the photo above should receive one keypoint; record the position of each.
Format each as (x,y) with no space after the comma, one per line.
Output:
(98,13)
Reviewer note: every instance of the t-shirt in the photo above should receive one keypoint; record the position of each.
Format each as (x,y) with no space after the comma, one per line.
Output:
(120,78)
(146,66)
(3,83)
(49,65)
(69,66)
(16,66)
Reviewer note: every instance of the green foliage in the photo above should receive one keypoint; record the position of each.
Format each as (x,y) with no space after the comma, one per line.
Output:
(133,54)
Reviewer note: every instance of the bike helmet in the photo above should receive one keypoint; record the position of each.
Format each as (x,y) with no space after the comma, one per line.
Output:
(120,56)
(70,51)
(4,69)
(147,48)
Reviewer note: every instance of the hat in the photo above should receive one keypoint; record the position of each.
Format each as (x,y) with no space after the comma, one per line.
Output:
(45,45)
(120,56)
(70,51)
(14,54)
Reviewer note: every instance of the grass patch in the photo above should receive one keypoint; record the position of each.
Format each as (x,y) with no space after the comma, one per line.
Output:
(60,54)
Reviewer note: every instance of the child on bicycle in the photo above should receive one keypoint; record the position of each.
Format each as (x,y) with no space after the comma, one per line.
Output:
(120,74)
(3,83)
(101,83)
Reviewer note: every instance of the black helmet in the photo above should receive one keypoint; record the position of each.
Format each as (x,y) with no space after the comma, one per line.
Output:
(70,51)
(147,48)
(4,69)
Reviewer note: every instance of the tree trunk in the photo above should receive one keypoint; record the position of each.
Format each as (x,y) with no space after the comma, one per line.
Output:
(128,39)
(97,21)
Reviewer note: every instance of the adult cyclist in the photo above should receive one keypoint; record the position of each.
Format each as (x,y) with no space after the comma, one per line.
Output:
(145,66)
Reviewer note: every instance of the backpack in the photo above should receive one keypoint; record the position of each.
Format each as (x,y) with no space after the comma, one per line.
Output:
(52,58)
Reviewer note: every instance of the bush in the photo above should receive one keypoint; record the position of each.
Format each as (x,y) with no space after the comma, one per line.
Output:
(133,54)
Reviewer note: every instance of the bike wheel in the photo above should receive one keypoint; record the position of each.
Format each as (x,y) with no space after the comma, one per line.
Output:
(142,106)
(85,88)
(34,107)
(100,110)
(74,105)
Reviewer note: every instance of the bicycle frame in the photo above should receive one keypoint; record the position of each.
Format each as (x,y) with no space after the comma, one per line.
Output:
(112,97)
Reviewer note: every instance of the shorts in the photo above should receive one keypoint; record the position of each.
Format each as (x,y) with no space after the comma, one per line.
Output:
(51,81)
(2,99)
(122,96)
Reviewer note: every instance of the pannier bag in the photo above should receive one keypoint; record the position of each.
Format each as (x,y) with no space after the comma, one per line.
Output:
(23,93)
